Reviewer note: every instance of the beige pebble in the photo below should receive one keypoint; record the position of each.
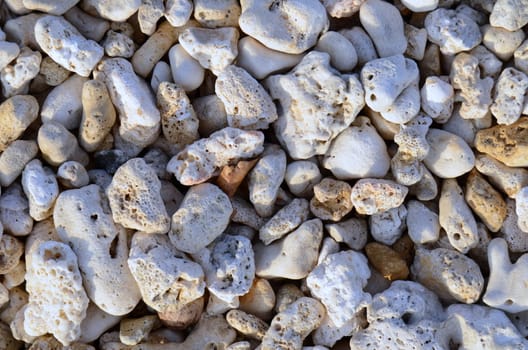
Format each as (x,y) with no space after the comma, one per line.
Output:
(16,114)
(182,316)
(247,324)
(260,299)
(331,200)
(371,196)
(387,261)
(133,331)
(485,201)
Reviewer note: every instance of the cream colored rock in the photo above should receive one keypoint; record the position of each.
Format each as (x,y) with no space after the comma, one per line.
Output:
(521,208)
(15,277)
(14,158)
(178,12)
(452,275)
(520,57)
(284,221)
(117,44)
(91,27)
(135,198)
(456,218)
(214,13)
(178,280)
(509,180)
(342,53)
(476,326)
(63,104)
(203,215)
(272,23)
(420,5)
(507,281)
(8,52)
(58,145)
(204,158)
(149,13)
(260,61)
(449,156)
(384,24)
(475,93)
(485,201)
(509,96)
(161,73)
(290,327)
(179,123)
(501,42)
(353,232)
(229,267)
(265,178)
(452,31)
(114,10)
(391,87)
(133,331)
(51,7)
(425,189)
(57,300)
(509,15)
(387,227)
(139,118)
(101,248)
(41,188)
(247,324)
(357,152)
(155,47)
(301,177)
(73,51)
(438,98)
(14,212)
(247,103)
(186,71)
(51,73)
(18,297)
(373,196)
(72,174)
(98,115)
(331,200)
(96,323)
(338,281)
(215,49)
(17,77)
(294,256)
(362,43)
(342,8)
(16,114)
(422,223)
(317,104)
(260,299)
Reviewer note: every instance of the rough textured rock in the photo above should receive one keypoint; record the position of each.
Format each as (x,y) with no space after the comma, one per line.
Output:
(312,116)
(41,189)
(485,201)
(291,326)
(63,42)
(506,143)
(372,196)
(135,198)
(165,276)
(452,275)
(338,281)
(204,158)
(229,267)
(272,23)
(331,200)
(57,300)
(16,114)
(101,248)
(285,220)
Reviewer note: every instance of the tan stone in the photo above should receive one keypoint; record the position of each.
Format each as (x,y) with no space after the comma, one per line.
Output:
(232,176)
(485,201)
(387,261)
(11,250)
(331,199)
(181,317)
(260,299)
(506,143)
(247,324)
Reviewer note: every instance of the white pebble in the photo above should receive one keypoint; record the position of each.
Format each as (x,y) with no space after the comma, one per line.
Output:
(186,71)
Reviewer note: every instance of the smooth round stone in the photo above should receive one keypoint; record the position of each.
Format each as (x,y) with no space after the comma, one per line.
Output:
(449,155)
